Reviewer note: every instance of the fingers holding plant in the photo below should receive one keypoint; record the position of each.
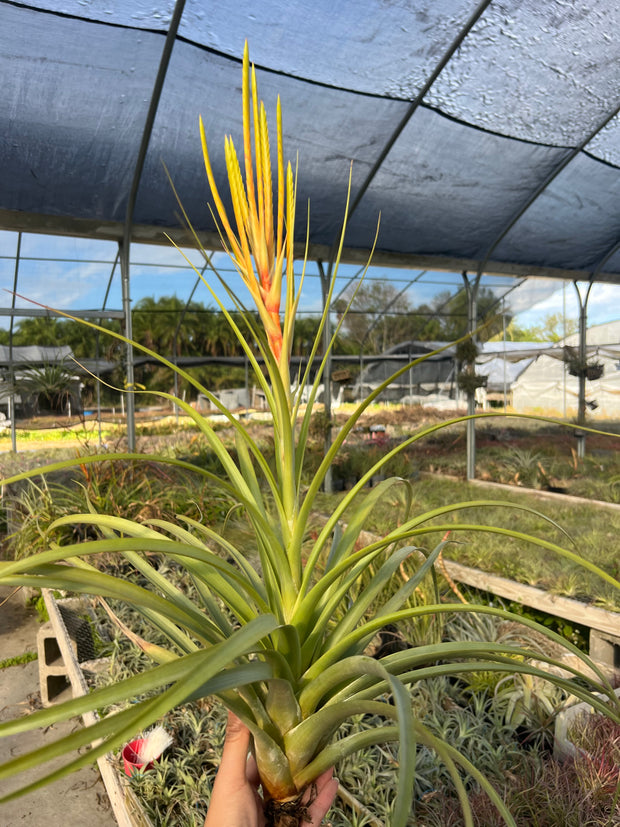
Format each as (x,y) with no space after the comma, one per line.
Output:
(235,800)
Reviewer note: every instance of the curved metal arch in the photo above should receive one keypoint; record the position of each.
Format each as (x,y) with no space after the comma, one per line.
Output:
(583,326)
(411,109)
(570,156)
(413,106)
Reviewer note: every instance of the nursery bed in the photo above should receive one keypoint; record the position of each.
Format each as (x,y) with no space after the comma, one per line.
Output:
(126,807)
(200,735)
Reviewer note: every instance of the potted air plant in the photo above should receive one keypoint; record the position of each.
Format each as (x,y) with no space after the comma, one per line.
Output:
(594,371)
(467,379)
(580,367)
(282,644)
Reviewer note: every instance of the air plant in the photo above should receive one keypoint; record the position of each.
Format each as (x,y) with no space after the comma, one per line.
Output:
(152,745)
(280,643)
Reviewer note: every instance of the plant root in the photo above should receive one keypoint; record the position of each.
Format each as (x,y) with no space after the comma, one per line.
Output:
(292,813)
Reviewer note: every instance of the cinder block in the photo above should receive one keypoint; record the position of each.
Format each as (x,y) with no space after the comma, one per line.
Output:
(562,746)
(78,627)
(53,676)
(605,650)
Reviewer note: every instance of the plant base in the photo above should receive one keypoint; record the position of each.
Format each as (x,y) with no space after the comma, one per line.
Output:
(293,813)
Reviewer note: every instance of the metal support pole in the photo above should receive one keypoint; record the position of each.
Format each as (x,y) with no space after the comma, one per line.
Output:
(123,249)
(99,435)
(410,375)
(472,315)
(360,396)
(581,405)
(504,366)
(11,365)
(98,350)
(327,372)
(564,338)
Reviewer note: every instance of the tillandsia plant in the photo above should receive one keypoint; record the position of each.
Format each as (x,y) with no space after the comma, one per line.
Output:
(281,643)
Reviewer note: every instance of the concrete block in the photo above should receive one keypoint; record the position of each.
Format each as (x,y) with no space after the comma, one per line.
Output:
(53,673)
(563,747)
(605,650)
(53,676)
(76,621)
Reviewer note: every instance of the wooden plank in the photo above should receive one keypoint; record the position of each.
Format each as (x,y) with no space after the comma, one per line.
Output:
(546,495)
(574,610)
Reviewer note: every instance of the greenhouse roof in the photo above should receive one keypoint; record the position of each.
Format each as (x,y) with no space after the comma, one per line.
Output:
(486,134)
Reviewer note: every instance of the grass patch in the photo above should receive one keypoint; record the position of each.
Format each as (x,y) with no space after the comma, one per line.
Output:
(592,534)
(53,435)
(18,660)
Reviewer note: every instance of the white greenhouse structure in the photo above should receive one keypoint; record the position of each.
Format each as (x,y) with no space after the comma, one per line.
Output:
(545,386)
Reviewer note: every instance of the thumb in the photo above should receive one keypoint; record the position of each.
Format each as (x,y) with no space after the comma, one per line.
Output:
(235,752)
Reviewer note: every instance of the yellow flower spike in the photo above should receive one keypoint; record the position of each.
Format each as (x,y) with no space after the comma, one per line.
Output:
(221,211)
(267,188)
(261,242)
(235,180)
(244,258)
(258,247)
(280,219)
(258,159)
(247,132)
(290,219)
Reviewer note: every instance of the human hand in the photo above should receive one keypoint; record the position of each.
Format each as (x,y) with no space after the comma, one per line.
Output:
(235,801)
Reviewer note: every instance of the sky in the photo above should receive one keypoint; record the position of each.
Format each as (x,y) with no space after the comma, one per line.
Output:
(603,305)
(73,273)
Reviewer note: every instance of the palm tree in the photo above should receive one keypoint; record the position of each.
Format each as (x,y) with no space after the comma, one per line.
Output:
(44,331)
(155,321)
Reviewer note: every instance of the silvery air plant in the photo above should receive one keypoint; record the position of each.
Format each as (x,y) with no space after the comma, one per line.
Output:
(280,643)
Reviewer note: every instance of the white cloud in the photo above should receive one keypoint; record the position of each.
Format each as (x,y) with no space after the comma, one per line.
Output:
(61,285)
(603,304)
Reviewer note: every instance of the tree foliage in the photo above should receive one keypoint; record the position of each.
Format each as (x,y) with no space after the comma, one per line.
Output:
(553,328)
(451,311)
(380,316)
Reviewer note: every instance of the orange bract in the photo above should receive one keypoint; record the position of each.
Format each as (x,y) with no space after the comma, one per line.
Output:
(261,252)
